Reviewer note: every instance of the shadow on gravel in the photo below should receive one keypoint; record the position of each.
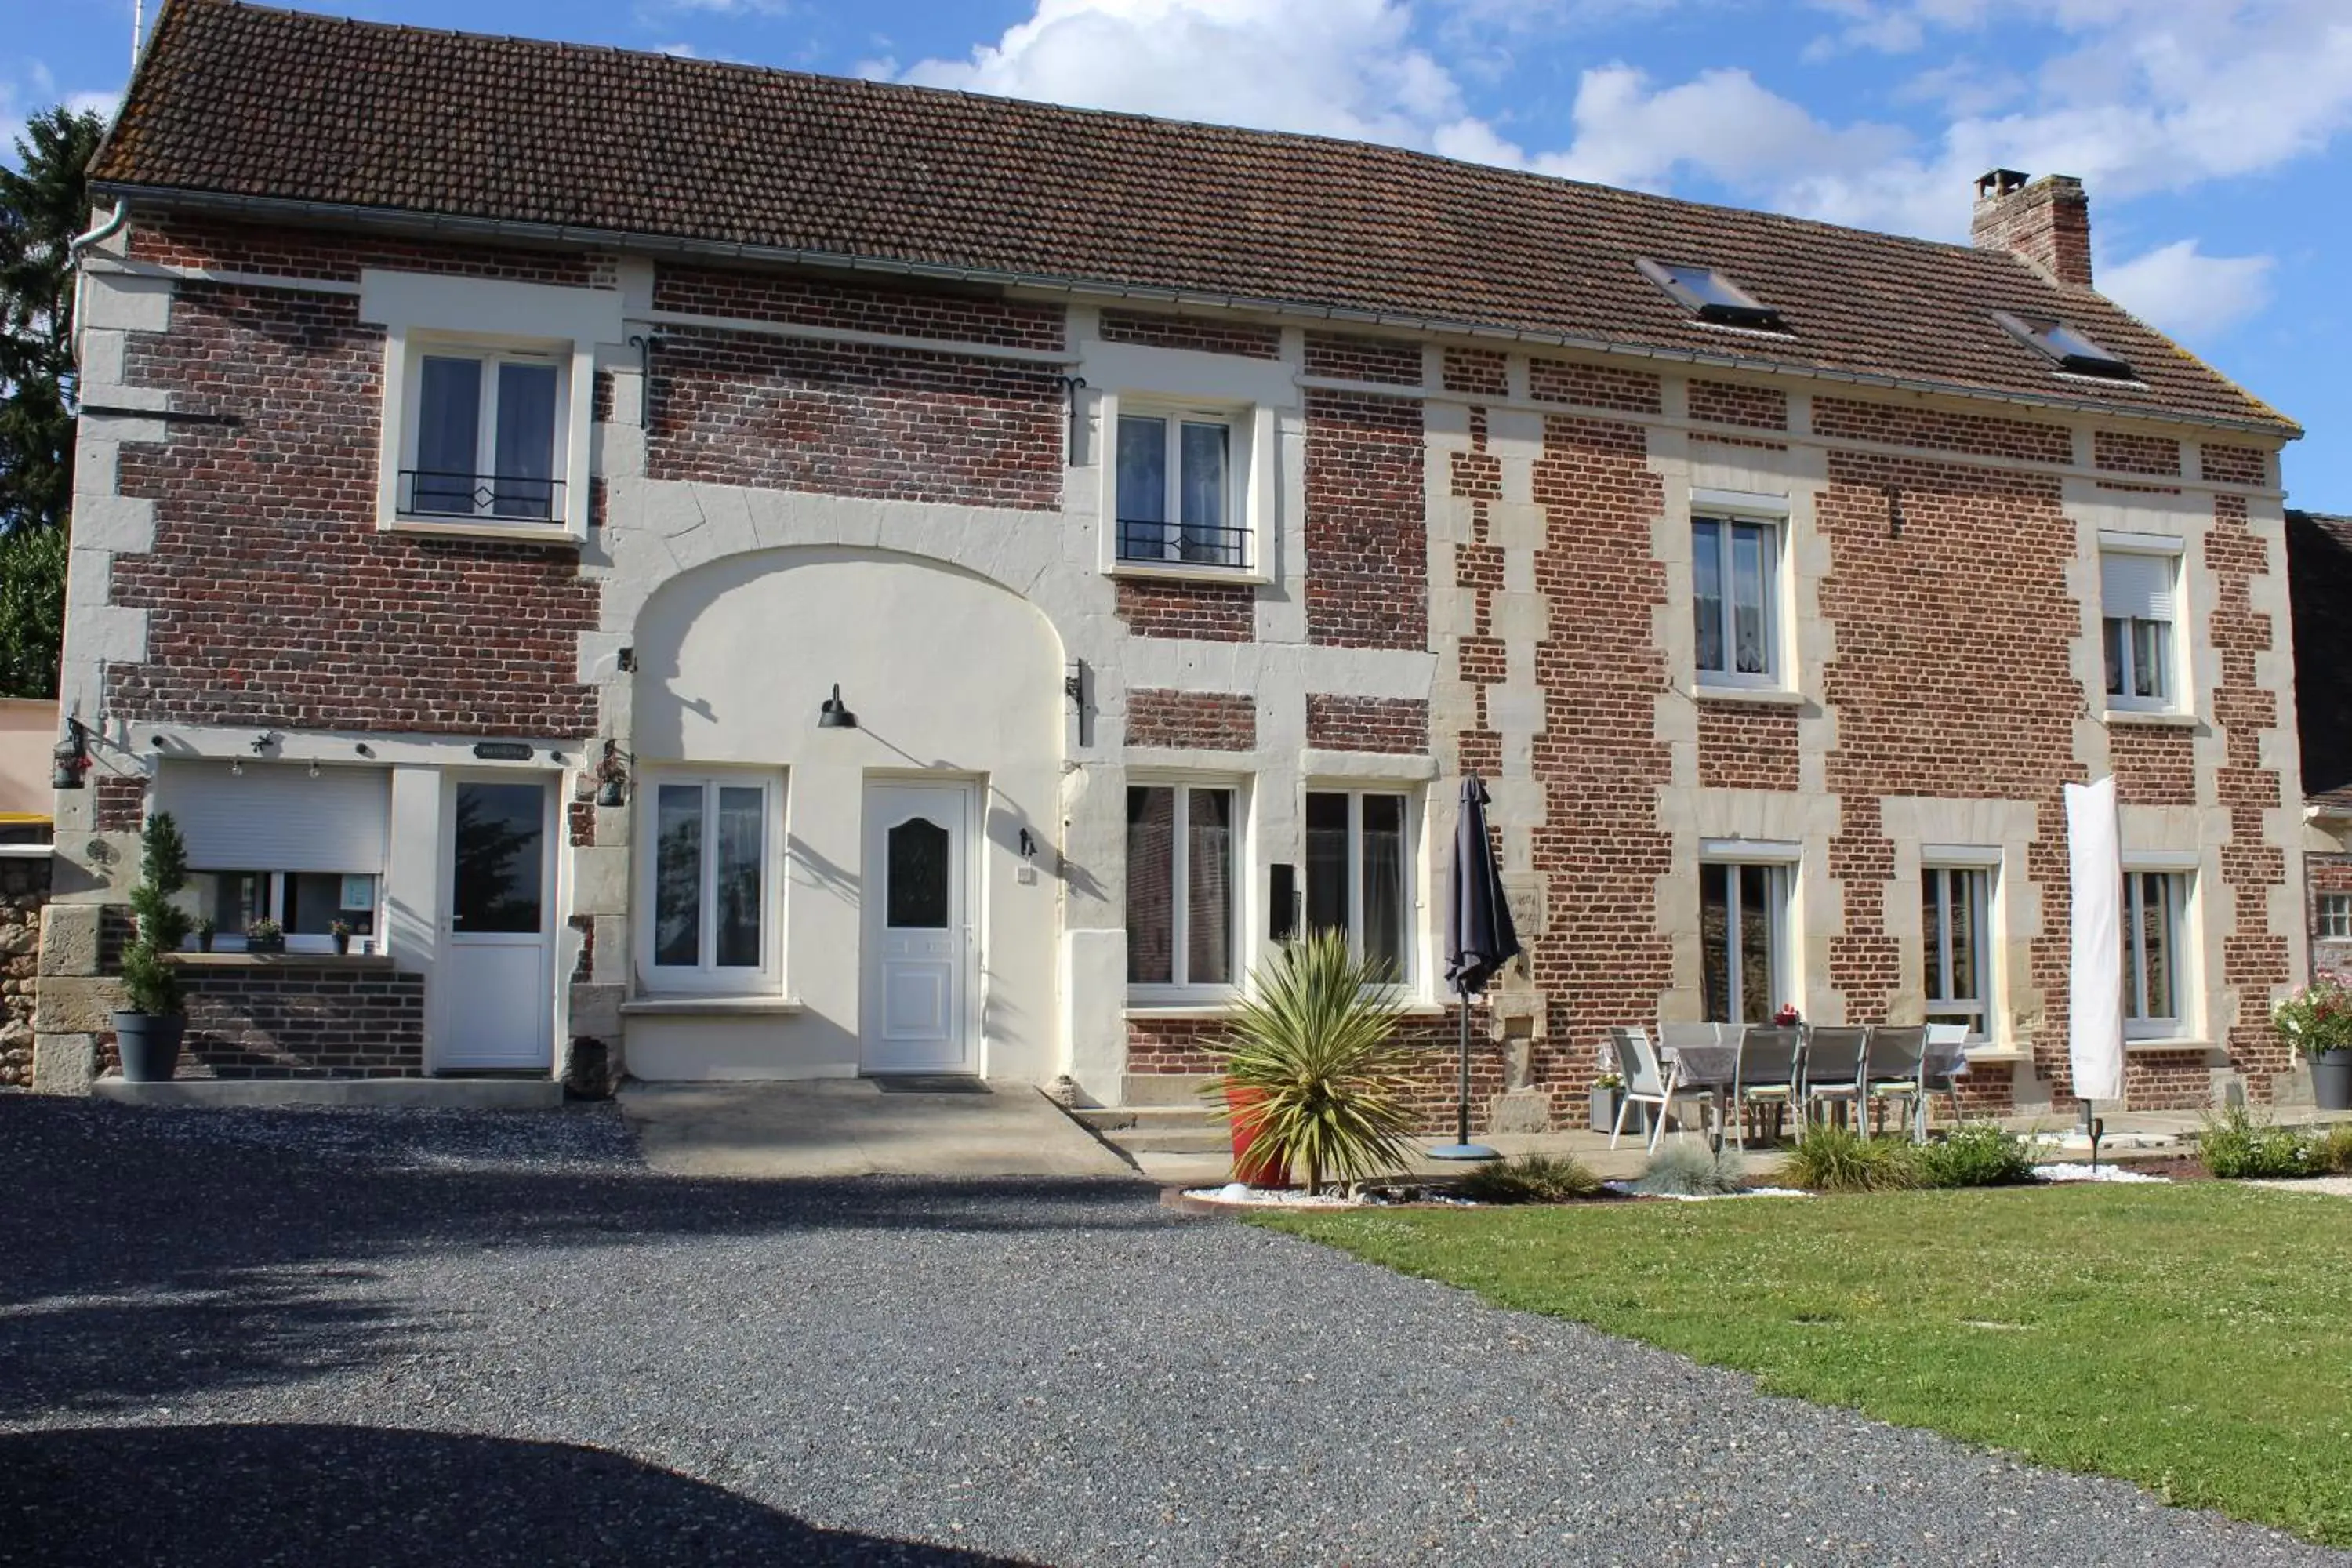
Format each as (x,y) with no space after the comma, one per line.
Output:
(228,1496)
(145,1254)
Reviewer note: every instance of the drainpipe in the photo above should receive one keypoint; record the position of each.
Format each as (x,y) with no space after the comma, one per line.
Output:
(106,230)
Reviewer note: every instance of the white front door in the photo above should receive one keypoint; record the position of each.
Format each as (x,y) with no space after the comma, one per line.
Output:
(920,948)
(498,996)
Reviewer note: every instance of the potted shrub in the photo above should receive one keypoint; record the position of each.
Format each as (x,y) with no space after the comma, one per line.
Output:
(148,1031)
(342,932)
(1315,1084)
(206,928)
(264,936)
(2316,1021)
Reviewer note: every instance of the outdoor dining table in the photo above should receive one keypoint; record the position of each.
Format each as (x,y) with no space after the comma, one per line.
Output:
(1716,1064)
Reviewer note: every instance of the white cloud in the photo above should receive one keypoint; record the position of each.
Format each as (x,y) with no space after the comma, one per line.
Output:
(2188,293)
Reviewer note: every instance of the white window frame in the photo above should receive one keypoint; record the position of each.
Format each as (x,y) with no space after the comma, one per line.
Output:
(1249,442)
(489,355)
(2332,917)
(274,898)
(1416,797)
(1976,880)
(706,978)
(1729,511)
(2168,700)
(1779,865)
(1181,987)
(2180,889)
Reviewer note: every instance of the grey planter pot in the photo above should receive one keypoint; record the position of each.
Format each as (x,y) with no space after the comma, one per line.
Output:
(2331,1080)
(1604,1112)
(150,1046)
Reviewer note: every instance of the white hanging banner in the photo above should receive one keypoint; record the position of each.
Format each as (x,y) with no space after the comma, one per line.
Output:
(2094,1032)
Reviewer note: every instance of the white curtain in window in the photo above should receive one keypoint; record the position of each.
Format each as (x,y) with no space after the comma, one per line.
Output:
(2096,992)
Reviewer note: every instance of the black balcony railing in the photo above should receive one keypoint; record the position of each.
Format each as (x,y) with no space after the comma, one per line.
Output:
(509,498)
(1182,544)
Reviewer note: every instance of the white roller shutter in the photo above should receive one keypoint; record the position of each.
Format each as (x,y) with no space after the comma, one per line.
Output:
(2135,585)
(275,816)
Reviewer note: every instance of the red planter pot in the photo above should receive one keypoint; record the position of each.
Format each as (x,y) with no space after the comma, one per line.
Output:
(1249,1168)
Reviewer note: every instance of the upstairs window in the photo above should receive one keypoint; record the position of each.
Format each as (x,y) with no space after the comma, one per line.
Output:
(2072,349)
(1712,296)
(1735,592)
(2138,607)
(486,442)
(1177,498)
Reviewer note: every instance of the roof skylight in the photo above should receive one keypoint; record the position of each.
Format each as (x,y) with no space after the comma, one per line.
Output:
(1710,296)
(2074,349)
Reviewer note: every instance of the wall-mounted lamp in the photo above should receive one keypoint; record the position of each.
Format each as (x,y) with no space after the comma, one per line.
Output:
(237,767)
(314,767)
(834,714)
(364,750)
(1028,846)
(612,774)
(71,757)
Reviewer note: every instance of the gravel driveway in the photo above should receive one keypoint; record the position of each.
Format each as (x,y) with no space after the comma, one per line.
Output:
(322,1337)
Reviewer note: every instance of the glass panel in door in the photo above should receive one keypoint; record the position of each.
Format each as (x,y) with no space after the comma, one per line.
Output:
(917,872)
(496,881)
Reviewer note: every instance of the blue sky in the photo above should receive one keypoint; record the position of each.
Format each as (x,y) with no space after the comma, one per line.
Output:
(2215,136)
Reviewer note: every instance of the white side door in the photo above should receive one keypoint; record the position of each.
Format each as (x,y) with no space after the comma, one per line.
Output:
(921,946)
(498,985)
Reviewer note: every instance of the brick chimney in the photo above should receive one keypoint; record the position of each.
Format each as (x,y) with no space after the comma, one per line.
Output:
(2047,221)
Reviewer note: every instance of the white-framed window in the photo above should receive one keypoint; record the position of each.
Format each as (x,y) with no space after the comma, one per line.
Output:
(1359,859)
(306,905)
(1954,903)
(2139,604)
(2155,927)
(2334,917)
(1744,966)
(1177,490)
(1735,600)
(484,433)
(710,921)
(1183,887)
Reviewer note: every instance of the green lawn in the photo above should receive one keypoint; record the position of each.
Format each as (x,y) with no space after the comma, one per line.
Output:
(2194,1339)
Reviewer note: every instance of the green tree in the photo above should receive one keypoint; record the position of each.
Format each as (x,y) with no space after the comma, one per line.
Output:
(44,203)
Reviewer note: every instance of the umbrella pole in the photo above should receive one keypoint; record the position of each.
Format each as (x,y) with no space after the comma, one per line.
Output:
(1461,1089)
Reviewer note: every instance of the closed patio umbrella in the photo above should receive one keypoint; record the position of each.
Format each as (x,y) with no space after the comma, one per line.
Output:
(1479,940)
(2095,1021)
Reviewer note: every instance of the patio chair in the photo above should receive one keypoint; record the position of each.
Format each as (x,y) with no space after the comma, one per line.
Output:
(1891,1067)
(1648,1082)
(1770,1062)
(1941,1072)
(1833,1058)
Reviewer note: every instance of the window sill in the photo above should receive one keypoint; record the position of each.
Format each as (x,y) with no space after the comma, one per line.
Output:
(278,960)
(2155,718)
(550,534)
(2133,1046)
(1761,695)
(1173,571)
(713,1006)
(1996,1054)
(1174,1012)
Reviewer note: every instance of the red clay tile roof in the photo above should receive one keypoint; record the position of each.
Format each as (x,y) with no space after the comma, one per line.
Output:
(233,100)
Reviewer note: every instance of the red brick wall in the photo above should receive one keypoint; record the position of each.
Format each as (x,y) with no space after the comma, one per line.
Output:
(1728,402)
(2154,764)
(1366,535)
(1342,358)
(1982,434)
(2228,465)
(1199,333)
(892,310)
(840,419)
(1179,1045)
(1203,612)
(2124,453)
(1397,725)
(273,598)
(1593,385)
(280,252)
(1741,746)
(1484,371)
(1208,721)
(293,1018)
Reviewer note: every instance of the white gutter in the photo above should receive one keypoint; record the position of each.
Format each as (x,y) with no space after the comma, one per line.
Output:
(506,228)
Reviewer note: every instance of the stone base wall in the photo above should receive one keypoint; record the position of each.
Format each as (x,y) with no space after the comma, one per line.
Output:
(24,889)
(295,1018)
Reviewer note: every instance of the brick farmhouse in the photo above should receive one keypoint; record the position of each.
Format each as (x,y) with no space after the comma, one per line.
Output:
(720,573)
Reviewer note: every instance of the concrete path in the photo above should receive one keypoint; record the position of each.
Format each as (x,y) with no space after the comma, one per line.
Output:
(860,1127)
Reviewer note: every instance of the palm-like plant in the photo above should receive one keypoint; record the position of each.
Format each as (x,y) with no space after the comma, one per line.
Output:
(1313,1073)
